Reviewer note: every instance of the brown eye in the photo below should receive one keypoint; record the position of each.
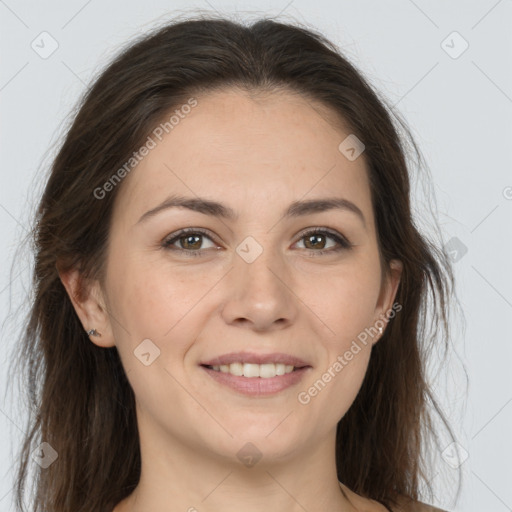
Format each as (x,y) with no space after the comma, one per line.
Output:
(316,241)
(188,241)
(192,242)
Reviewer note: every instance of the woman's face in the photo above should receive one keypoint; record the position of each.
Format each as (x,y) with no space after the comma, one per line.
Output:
(246,278)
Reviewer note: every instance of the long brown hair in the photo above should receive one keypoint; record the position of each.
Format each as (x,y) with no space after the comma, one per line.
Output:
(81,402)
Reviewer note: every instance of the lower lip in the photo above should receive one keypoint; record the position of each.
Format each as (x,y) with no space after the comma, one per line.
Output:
(257,386)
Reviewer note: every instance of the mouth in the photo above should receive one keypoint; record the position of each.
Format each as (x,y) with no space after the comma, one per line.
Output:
(250,370)
(257,379)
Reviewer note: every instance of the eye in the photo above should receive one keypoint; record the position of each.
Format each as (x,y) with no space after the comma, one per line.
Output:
(315,240)
(190,241)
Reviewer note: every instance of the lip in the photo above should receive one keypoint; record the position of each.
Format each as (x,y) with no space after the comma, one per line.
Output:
(254,358)
(257,386)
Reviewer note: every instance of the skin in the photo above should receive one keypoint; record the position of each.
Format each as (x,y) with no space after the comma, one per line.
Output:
(255,154)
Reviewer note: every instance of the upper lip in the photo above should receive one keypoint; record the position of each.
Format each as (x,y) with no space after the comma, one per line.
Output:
(254,358)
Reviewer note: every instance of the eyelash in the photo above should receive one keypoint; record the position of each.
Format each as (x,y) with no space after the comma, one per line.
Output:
(343,242)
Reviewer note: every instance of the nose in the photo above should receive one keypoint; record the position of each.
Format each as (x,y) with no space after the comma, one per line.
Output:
(259,293)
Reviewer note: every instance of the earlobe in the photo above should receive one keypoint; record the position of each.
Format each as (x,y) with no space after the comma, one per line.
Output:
(89,307)
(391,284)
(388,292)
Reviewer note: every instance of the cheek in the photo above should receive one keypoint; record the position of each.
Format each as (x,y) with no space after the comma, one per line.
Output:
(155,297)
(345,300)
(347,308)
(154,303)
(163,303)
(333,388)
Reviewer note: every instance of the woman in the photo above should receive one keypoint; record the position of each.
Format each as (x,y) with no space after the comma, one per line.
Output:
(229,285)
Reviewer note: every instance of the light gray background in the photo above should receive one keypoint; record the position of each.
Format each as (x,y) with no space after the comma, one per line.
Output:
(460,110)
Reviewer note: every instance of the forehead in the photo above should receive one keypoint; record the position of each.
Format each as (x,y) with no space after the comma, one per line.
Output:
(247,151)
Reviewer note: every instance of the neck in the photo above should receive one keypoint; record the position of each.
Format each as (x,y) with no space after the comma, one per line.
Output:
(187,477)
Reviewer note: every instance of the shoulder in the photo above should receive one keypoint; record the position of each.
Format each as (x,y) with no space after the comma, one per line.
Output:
(416,506)
(404,504)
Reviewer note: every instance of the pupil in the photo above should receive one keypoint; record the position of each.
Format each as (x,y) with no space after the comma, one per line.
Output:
(189,238)
(315,239)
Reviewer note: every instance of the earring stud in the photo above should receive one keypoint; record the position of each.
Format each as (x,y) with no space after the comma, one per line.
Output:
(93,332)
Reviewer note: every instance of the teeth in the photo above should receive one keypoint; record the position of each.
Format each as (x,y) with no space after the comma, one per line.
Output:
(252,370)
(265,371)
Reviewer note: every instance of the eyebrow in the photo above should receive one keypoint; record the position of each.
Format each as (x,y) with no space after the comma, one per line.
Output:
(216,209)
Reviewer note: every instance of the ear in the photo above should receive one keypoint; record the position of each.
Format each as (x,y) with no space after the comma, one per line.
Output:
(89,305)
(389,287)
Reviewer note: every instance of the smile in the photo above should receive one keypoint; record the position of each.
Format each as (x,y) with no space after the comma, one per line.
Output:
(265,371)
(260,380)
